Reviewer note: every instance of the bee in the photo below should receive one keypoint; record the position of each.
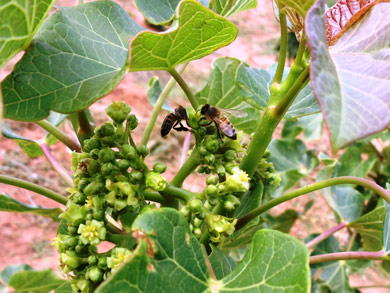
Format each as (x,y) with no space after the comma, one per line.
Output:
(223,124)
(172,120)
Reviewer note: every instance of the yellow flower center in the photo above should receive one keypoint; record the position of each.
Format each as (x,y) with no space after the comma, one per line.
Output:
(89,202)
(119,259)
(90,232)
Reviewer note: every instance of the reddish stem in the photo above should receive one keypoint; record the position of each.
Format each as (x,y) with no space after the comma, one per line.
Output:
(325,235)
(370,255)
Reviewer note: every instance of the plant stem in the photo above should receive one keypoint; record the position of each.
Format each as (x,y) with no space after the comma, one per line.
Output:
(179,193)
(188,167)
(185,87)
(86,128)
(61,136)
(186,147)
(159,104)
(35,188)
(153,196)
(325,235)
(208,263)
(56,166)
(312,187)
(283,49)
(370,255)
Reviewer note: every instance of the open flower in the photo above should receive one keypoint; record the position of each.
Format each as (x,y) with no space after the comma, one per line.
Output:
(92,232)
(155,181)
(238,181)
(118,256)
(219,227)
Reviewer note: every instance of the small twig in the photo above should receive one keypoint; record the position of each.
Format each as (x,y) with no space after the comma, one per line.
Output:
(325,235)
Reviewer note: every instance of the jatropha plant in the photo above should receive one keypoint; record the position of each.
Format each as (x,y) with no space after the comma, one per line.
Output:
(223,238)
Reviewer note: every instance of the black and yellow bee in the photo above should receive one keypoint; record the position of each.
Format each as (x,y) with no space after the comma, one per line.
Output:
(173,120)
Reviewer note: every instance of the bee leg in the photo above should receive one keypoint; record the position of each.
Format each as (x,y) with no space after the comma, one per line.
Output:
(219,132)
(181,128)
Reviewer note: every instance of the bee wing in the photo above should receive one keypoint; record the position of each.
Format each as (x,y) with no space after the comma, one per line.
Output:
(234,112)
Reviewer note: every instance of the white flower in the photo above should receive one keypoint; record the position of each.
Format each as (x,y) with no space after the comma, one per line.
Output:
(238,181)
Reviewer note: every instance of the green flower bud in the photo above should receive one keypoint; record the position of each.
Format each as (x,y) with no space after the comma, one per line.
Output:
(231,203)
(98,214)
(201,169)
(238,181)
(185,210)
(70,241)
(197,222)
(93,232)
(230,155)
(192,117)
(220,170)
(94,154)
(81,249)
(94,187)
(203,151)
(129,152)
(105,130)
(221,188)
(202,215)
(106,155)
(123,164)
(92,249)
(108,168)
(267,154)
(74,214)
(155,181)
(82,184)
(94,274)
(90,144)
(78,198)
(212,190)
(70,259)
(89,217)
(102,263)
(195,205)
(109,141)
(132,121)
(93,166)
(118,111)
(209,158)
(92,259)
(159,167)
(137,175)
(212,201)
(120,204)
(75,157)
(212,180)
(72,230)
(202,131)
(197,232)
(143,151)
(212,145)
(229,166)
(118,256)
(81,285)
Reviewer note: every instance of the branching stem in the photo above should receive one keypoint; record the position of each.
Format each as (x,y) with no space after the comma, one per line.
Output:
(185,87)
(283,49)
(325,235)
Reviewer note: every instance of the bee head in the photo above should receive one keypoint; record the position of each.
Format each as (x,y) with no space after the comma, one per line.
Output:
(205,109)
(181,112)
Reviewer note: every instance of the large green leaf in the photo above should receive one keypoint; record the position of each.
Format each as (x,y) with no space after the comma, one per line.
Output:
(199,32)
(78,55)
(222,90)
(274,262)
(8,204)
(177,265)
(255,85)
(221,263)
(310,125)
(157,12)
(352,79)
(229,7)
(23,278)
(19,20)
(370,227)
(351,163)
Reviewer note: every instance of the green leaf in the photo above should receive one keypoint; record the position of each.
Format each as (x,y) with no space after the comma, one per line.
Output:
(8,271)
(370,227)
(122,240)
(274,262)
(352,79)
(30,147)
(157,12)
(35,281)
(334,274)
(300,6)
(250,200)
(255,85)
(154,92)
(229,7)
(351,163)
(78,55)
(222,91)
(8,204)
(282,222)
(199,33)
(64,288)
(19,22)
(311,126)
(177,265)
(221,263)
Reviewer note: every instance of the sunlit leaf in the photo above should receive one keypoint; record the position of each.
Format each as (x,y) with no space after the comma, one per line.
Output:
(8,204)
(222,90)
(352,79)
(78,55)
(229,7)
(157,12)
(8,271)
(19,21)
(199,33)
(273,261)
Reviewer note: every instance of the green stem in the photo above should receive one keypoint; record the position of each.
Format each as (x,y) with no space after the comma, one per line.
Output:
(159,104)
(179,193)
(61,136)
(310,188)
(185,87)
(153,196)
(35,188)
(370,255)
(283,49)
(301,49)
(86,128)
(188,167)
